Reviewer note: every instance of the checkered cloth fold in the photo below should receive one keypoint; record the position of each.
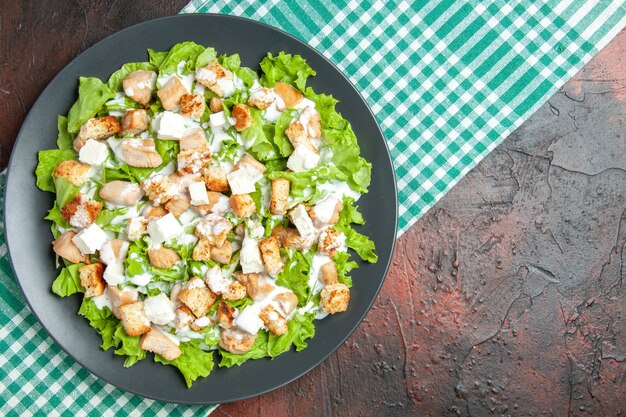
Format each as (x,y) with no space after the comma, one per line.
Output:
(447,80)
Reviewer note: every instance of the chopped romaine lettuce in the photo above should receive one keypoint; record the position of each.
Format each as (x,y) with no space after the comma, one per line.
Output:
(92,94)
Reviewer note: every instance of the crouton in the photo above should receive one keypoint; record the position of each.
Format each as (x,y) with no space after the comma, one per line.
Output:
(280,196)
(270,251)
(289,237)
(236,341)
(155,341)
(138,86)
(177,206)
(328,273)
(286,302)
(202,251)
(81,211)
(133,318)
(134,122)
(215,104)
(216,78)
(257,287)
(137,227)
(242,205)
(159,188)
(197,296)
(155,212)
(119,297)
(334,298)
(171,93)
(215,179)
(235,291)
(140,153)
(214,228)
(249,162)
(330,241)
(194,140)
(122,193)
(194,161)
(72,171)
(184,317)
(223,253)
(326,211)
(218,204)
(262,98)
(290,95)
(273,321)
(225,315)
(297,135)
(310,119)
(91,279)
(243,119)
(65,248)
(163,257)
(192,105)
(98,128)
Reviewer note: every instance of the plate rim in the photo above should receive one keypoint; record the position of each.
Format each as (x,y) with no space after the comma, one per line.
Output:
(207,16)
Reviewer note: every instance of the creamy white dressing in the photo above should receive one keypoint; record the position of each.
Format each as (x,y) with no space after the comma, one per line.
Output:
(248,319)
(315,279)
(338,189)
(102,301)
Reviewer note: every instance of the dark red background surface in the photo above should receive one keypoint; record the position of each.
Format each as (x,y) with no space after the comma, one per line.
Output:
(506,298)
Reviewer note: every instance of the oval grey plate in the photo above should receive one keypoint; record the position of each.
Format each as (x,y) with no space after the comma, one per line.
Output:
(28,235)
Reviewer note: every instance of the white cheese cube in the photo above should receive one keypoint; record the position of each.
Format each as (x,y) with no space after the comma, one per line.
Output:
(217,119)
(164,228)
(300,218)
(114,274)
(198,193)
(302,159)
(249,321)
(250,256)
(159,309)
(90,239)
(216,281)
(171,126)
(241,181)
(93,152)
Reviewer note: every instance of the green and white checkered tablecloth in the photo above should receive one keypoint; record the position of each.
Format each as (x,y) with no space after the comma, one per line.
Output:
(447,80)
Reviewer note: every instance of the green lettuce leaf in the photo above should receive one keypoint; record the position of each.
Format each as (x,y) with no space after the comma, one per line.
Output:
(68,281)
(301,328)
(259,350)
(102,320)
(65,140)
(361,244)
(48,161)
(65,190)
(287,68)
(304,184)
(254,137)
(129,346)
(343,264)
(57,219)
(184,51)
(137,260)
(205,57)
(155,57)
(193,363)
(233,64)
(115,80)
(92,94)
(280,139)
(295,275)
(106,216)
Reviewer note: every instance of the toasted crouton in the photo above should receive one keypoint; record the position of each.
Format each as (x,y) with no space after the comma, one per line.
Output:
(138,86)
(192,105)
(289,237)
(65,248)
(215,179)
(280,196)
(120,297)
(194,140)
(286,302)
(155,212)
(262,98)
(297,135)
(155,341)
(197,297)
(81,211)
(72,171)
(248,161)
(330,241)
(235,291)
(334,298)
(98,128)
(236,341)
(163,257)
(123,193)
(194,161)
(328,273)
(202,251)
(241,113)
(270,251)
(273,321)
(171,93)
(177,206)
(91,279)
(137,227)
(214,228)
(133,318)
(217,78)
(290,95)
(159,189)
(140,153)
(223,253)
(134,121)
(225,315)
(242,205)
(215,104)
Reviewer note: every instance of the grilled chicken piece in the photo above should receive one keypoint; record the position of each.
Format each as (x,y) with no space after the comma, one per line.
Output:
(65,248)
(163,257)
(155,341)
(138,86)
(134,122)
(236,341)
(290,95)
(140,153)
(123,193)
